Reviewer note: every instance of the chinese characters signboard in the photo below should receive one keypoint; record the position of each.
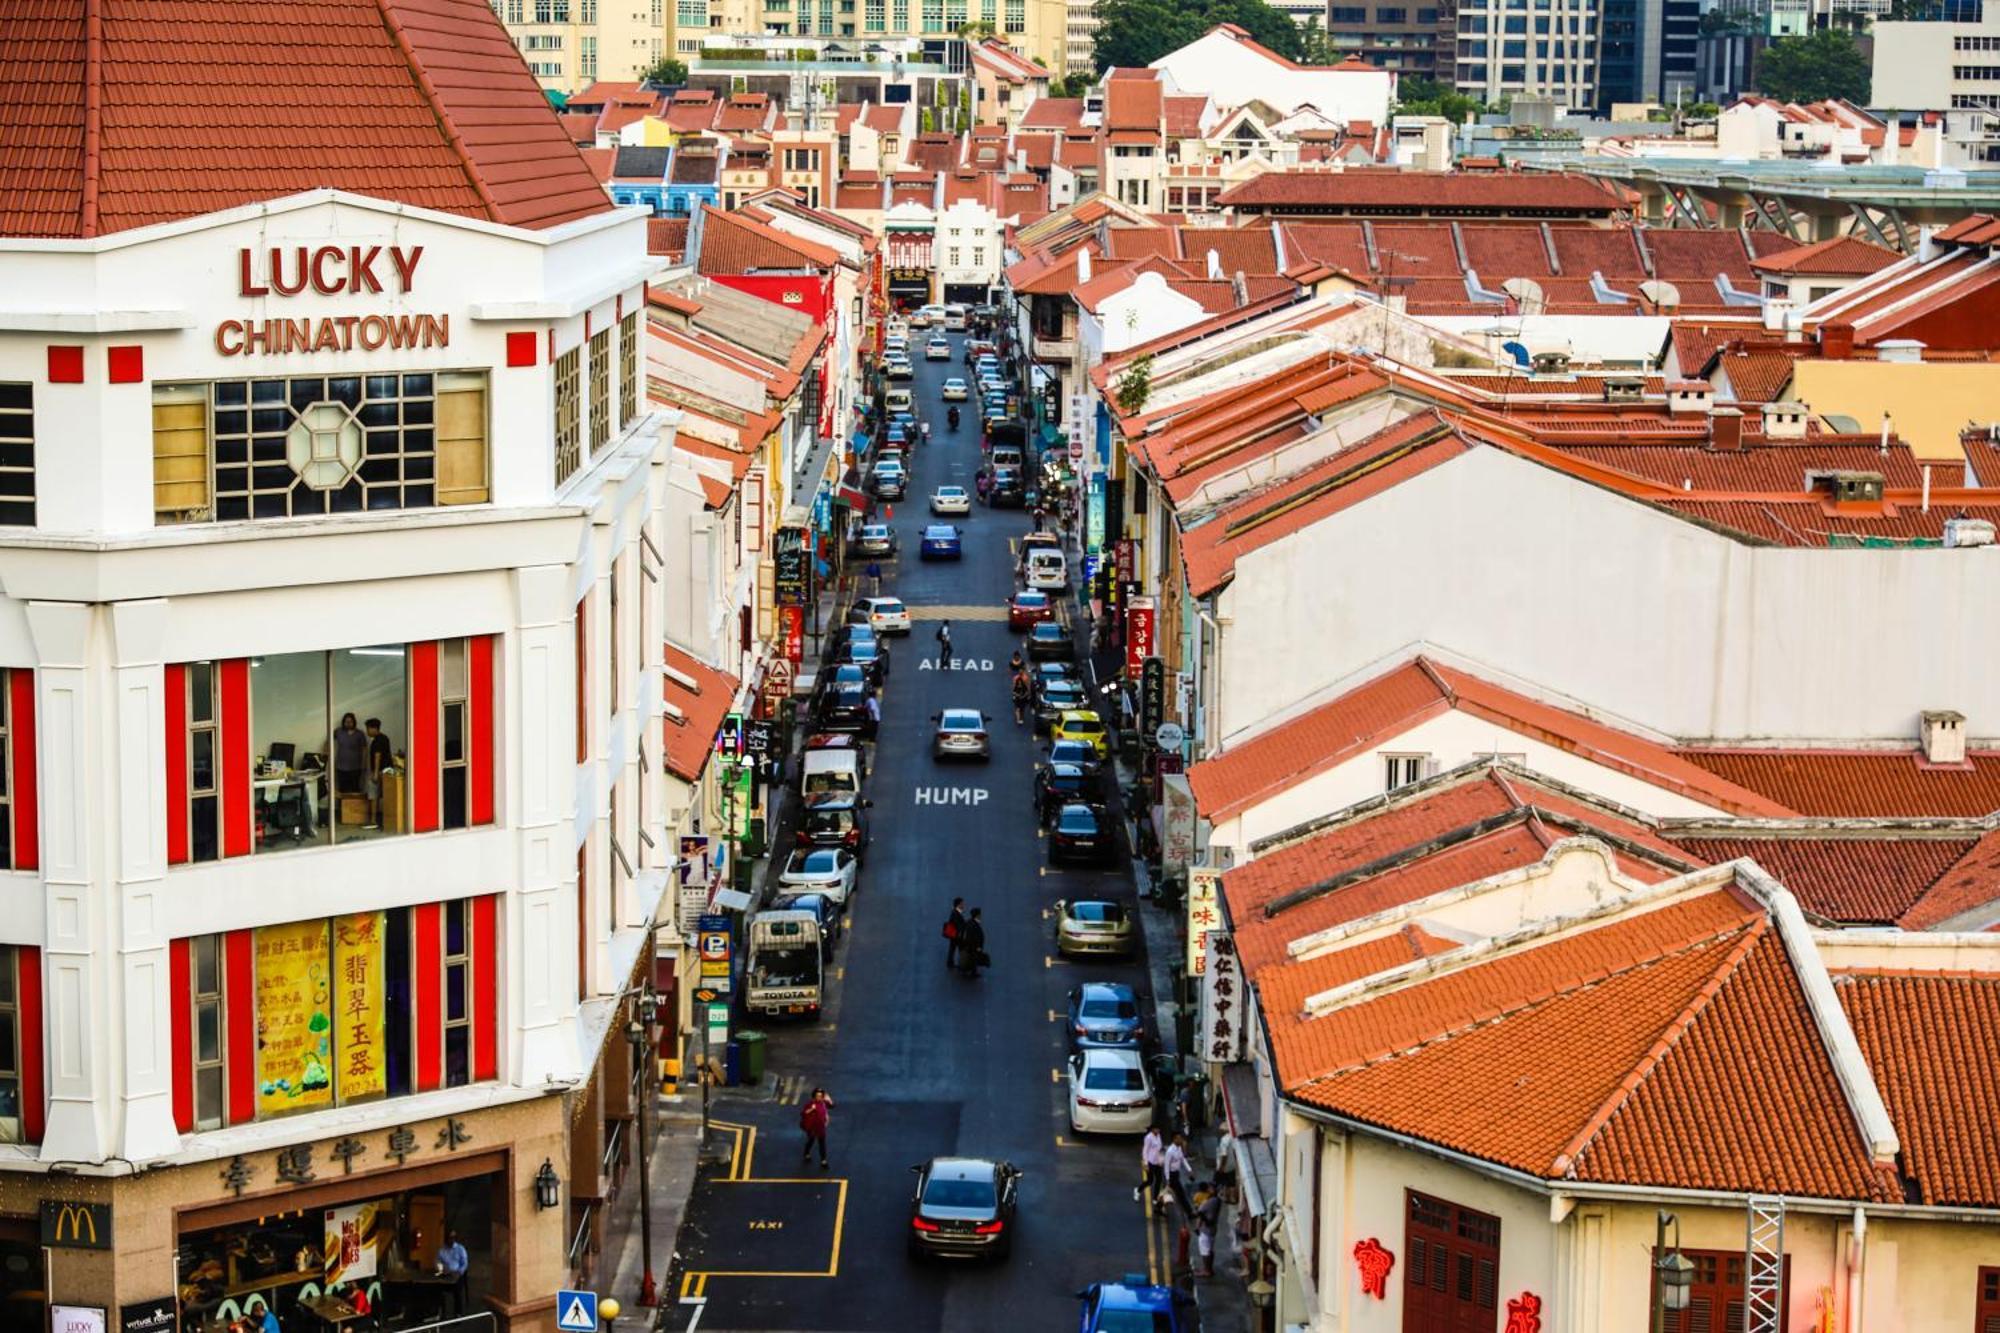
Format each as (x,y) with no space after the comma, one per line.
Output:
(1138,635)
(1221,1037)
(294,1018)
(357,964)
(1203,915)
(1177,828)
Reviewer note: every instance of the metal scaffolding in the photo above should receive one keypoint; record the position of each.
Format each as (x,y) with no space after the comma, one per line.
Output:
(1764,1264)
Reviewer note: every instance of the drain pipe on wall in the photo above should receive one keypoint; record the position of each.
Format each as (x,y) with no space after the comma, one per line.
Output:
(1857,1253)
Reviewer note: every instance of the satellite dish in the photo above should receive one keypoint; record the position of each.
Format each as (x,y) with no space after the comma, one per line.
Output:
(1517,351)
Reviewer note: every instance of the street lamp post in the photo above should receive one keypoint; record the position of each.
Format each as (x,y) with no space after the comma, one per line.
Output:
(639,1032)
(1673,1273)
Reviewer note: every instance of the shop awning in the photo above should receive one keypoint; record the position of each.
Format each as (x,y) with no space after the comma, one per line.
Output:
(850,492)
(1050,435)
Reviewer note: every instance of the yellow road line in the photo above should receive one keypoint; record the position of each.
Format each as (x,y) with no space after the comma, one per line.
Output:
(1152,1248)
(839,1224)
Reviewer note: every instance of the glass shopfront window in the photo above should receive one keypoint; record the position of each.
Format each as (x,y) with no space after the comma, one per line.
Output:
(327,735)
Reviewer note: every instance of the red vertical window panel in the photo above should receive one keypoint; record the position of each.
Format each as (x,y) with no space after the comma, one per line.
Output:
(427,963)
(239,990)
(28,1012)
(236,746)
(27,822)
(180,1008)
(485,988)
(480,686)
(177,765)
(424,737)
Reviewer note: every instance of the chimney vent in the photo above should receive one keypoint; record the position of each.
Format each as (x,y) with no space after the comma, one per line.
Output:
(1784,421)
(1942,733)
(1725,430)
(1624,389)
(1905,351)
(1688,396)
(1836,342)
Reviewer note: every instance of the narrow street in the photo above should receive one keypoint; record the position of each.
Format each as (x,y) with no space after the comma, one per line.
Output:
(919,1060)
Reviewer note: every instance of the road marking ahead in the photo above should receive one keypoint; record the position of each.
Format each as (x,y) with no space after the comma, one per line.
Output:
(956,664)
(952,795)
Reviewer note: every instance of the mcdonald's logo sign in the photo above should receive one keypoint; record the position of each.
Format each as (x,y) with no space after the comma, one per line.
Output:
(76,1226)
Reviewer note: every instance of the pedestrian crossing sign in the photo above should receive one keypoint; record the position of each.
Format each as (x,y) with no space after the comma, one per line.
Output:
(576,1311)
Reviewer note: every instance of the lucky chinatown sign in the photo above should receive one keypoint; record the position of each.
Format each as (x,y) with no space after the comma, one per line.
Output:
(329,270)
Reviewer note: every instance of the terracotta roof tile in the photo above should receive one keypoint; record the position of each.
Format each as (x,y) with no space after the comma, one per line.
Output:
(424,102)
(1364,192)
(1852,881)
(1838,255)
(1932,1045)
(691,738)
(1133,103)
(733,243)
(1860,783)
(667,237)
(1053,113)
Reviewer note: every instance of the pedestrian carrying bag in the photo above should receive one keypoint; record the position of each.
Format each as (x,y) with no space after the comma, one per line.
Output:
(950,931)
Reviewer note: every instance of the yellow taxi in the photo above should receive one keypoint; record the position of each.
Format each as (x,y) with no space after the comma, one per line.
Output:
(1083,724)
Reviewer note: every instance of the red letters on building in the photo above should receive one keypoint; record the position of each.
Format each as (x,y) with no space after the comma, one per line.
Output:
(328,269)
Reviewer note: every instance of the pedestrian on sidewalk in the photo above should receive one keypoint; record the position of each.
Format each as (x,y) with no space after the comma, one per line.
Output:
(944,644)
(1152,1175)
(1180,1177)
(954,930)
(972,945)
(814,1117)
(873,706)
(1207,1215)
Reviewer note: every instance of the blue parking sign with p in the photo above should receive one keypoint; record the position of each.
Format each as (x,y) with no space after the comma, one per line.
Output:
(576,1311)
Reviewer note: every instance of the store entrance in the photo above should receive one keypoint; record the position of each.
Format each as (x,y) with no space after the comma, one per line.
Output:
(389,1260)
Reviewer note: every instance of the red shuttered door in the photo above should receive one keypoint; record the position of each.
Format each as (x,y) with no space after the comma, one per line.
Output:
(27,826)
(236,746)
(1451,1282)
(177,769)
(239,984)
(485,988)
(28,1010)
(481,687)
(427,964)
(1986,1318)
(424,737)
(180,1010)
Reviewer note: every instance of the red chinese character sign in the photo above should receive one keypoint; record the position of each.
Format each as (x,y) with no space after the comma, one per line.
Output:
(1138,635)
(1524,1313)
(1374,1260)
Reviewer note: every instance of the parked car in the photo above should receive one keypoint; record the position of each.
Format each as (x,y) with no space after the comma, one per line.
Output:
(890,481)
(843,707)
(831,915)
(1083,724)
(937,349)
(885,615)
(941,542)
(836,819)
(1056,785)
(964,1207)
(870,655)
(1104,1013)
(1007,491)
(827,870)
(1027,609)
(876,539)
(951,500)
(1082,833)
(1035,541)
(954,390)
(1056,697)
(1093,926)
(1050,638)
(1109,1092)
(1084,754)
(960,734)
(1131,1306)
(899,369)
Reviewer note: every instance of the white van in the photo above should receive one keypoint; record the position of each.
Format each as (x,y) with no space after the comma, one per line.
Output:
(899,400)
(830,770)
(955,317)
(1047,569)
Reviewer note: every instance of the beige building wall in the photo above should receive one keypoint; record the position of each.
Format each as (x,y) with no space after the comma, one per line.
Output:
(1927,402)
(571,44)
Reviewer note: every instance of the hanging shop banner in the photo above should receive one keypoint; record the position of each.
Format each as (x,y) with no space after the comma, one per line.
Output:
(354,1240)
(788,559)
(1203,915)
(294,1018)
(1138,635)
(792,630)
(1221,1037)
(693,879)
(357,969)
(1093,517)
(1177,823)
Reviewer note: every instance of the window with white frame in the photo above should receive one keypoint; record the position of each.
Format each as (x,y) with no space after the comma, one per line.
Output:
(1400,770)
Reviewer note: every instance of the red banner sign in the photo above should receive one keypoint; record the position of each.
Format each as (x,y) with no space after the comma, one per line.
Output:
(792,619)
(1138,635)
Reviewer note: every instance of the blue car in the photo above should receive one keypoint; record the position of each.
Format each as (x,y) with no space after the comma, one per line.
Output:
(941,542)
(1130,1306)
(1103,1013)
(895,438)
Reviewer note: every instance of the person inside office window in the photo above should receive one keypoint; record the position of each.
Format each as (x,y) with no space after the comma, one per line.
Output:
(452,1261)
(381,758)
(350,757)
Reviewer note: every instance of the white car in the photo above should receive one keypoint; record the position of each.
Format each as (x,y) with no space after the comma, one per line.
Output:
(1109,1092)
(955,391)
(896,344)
(827,870)
(886,615)
(951,500)
(899,368)
(937,349)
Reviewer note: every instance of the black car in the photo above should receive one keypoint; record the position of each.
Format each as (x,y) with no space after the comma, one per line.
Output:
(844,707)
(1057,785)
(1081,753)
(830,915)
(1054,698)
(963,1207)
(835,819)
(1051,638)
(867,653)
(1008,489)
(1082,834)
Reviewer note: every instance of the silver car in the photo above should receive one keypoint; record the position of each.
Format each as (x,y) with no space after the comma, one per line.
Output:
(1109,1092)
(1093,926)
(961,734)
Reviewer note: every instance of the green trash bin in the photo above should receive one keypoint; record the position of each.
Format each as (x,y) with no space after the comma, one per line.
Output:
(753,1055)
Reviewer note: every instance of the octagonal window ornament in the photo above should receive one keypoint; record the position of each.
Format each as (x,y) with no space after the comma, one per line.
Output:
(324,446)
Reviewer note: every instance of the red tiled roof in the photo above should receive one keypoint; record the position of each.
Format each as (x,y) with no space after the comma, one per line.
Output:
(1861,784)
(734,243)
(1183,116)
(691,738)
(1933,1044)
(1757,377)
(1132,103)
(1053,113)
(1853,881)
(205,107)
(1838,255)
(667,237)
(1375,191)
(581,129)
(1813,521)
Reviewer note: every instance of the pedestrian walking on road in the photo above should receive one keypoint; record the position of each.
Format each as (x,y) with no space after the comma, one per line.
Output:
(1180,1177)
(1152,1162)
(972,945)
(944,644)
(814,1117)
(873,706)
(954,930)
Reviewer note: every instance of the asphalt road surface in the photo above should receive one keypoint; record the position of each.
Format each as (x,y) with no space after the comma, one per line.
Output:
(919,1060)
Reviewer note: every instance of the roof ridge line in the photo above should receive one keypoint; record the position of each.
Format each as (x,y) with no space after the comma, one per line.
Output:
(424,85)
(1664,1043)
(93,113)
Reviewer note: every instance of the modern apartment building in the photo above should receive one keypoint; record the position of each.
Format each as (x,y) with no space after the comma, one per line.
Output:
(1415,39)
(1508,48)
(1938,65)
(1648,50)
(1036,28)
(571,44)
(333,814)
